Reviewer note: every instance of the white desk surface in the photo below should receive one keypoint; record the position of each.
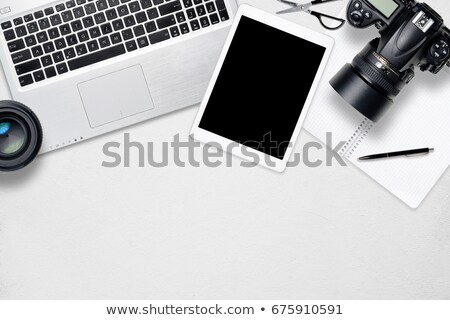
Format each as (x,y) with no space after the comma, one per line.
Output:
(71,229)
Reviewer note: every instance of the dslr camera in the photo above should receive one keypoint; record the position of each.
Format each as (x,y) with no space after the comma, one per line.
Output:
(412,34)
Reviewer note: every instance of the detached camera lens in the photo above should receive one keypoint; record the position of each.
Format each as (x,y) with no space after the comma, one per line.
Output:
(20,136)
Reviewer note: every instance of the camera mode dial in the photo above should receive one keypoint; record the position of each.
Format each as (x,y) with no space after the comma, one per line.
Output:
(440,50)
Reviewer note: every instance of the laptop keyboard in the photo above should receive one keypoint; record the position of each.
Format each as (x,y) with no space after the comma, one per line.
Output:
(71,35)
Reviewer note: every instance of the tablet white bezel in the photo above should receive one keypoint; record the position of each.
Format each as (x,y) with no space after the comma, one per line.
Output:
(288,27)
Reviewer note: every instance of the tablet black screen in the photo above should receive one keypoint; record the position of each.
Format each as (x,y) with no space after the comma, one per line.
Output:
(253,101)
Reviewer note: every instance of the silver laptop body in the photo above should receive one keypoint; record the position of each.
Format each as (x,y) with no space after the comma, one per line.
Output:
(87,67)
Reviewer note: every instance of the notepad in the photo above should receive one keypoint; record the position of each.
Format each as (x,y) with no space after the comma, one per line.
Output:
(419,118)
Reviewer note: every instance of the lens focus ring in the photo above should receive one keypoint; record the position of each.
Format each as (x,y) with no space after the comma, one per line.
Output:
(375,76)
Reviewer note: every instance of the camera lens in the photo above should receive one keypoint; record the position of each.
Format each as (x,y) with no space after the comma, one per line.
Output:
(370,83)
(12,137)
(20,136)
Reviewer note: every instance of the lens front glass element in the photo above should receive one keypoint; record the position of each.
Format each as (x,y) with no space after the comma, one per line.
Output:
(12,137)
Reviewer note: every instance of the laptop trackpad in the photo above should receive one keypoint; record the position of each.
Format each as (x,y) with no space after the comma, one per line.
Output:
(115,96)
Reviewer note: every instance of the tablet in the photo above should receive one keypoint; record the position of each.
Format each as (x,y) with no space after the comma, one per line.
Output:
(262,88)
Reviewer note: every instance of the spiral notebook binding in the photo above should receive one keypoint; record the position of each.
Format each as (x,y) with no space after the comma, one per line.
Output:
(356,139)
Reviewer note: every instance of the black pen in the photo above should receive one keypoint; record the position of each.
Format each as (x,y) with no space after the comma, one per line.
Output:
(397,154)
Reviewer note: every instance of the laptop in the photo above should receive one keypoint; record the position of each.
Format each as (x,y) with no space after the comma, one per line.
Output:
(87,67)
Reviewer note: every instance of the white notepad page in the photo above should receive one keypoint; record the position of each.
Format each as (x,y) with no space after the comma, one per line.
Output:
(419,118)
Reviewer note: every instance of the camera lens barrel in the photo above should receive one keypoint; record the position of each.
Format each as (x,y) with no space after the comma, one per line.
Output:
(370,83)
(20,136)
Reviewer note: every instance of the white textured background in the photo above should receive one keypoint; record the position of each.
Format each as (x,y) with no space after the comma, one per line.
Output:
(70,229)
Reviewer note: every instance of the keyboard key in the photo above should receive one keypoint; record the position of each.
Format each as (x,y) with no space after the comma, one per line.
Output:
(96,57)
(37,51)
(201,11)
(28,18)
(95,32)
(159,36)
(210,7)
(220,5)
(39,14)
(69,53)
(71,40)
(174,31)
(191,14)
(139,31)
(67,16)
(180,17)
(28,67)
(30,41)
(187,3)
(141,17)
(104,42)
(123,11)
(129,21)
(78,12)
(70,4)
(113,3)
(46,61)
(48,47)
(49,11)
(214,18)
(21,31)
(81,2)
(9,35)
(127,34)
(88,22)
(81,49)
(26,80)
(44,23)
(93,45)
(134,7)
(157,2)
(58,57)
(195,25)
(146,4)
(152,13)
(60,7)
(42,37)
(62,68)
(101,5)
(6,25)
(170,7)
(111,14)
(224,15)
(55,20)
(18,21)
(184,28)
(166,22)
(116,38)
(54,33)
(39,76)
(204,22)
(150,27)
(100,18)
(90,8)
(50,72)
(16,45)
(131,45)
(76,25)
(21,56)
(142,42)
(83,36)
(118,25)
(60,44)
(197,2)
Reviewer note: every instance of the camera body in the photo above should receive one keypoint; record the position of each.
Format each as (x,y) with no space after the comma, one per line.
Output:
(412,35)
